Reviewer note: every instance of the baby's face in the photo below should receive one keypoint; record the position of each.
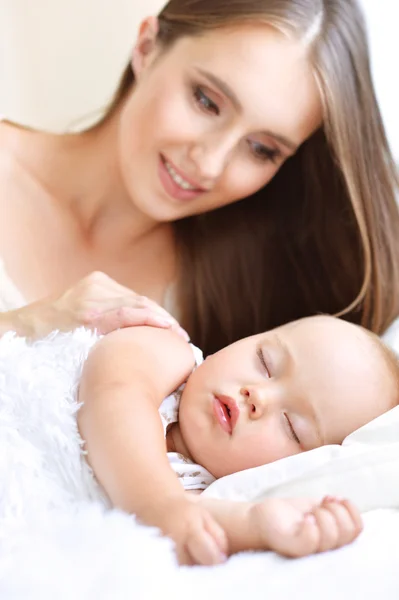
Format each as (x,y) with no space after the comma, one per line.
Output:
(297,387)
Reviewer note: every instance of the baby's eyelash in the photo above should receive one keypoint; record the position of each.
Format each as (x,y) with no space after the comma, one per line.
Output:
(292,430)
(262,360)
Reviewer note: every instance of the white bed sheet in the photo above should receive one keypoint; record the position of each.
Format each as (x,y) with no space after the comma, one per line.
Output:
(92,556)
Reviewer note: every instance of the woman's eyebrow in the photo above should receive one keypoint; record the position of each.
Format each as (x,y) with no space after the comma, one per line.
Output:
(223,87)
(232,96)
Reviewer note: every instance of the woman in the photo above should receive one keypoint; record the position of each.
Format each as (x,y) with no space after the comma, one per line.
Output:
(241,179)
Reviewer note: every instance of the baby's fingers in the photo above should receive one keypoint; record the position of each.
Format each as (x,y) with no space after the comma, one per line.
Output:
(354,515)
(347,518)
(303,541)
(218,534)
(327,524)
(203,549)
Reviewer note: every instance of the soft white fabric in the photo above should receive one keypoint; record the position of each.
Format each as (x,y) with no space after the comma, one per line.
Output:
(58,541)
(51,369)
(191,475)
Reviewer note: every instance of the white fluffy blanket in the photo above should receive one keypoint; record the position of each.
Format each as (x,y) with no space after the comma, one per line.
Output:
(58,539)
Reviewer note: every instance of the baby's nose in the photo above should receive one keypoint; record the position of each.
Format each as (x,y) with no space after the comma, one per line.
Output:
(256,399)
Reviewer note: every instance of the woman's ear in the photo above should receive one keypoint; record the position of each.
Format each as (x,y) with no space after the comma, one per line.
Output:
(145,48)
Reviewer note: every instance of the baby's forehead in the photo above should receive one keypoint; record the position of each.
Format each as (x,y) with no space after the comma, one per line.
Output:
(325,326)
(329,337)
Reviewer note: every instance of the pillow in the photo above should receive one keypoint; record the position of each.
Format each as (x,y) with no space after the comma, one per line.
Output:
(364,469)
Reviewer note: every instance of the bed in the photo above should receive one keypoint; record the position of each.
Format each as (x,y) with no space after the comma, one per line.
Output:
(58,540)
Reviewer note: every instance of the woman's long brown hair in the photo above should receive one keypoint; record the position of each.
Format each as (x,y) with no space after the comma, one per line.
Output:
(323,235)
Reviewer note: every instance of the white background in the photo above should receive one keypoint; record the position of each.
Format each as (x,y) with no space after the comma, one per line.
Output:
(383,23)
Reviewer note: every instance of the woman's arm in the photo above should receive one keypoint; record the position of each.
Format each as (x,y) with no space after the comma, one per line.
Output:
(96,301)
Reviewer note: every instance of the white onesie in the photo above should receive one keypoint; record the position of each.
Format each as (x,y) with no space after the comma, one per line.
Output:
(192,476)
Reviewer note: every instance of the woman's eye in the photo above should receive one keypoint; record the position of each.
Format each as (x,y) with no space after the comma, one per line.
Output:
(262,361)
(205,102)
(264,153)
(292,430)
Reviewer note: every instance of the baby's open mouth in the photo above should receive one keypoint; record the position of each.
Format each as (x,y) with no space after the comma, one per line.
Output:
(227,412)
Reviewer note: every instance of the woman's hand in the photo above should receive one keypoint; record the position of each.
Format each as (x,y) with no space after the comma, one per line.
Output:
(97,302)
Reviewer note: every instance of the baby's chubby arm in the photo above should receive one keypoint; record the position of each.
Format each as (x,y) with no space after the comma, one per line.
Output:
(125,379)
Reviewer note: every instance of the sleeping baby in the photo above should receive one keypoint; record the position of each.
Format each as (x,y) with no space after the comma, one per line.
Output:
(295,388)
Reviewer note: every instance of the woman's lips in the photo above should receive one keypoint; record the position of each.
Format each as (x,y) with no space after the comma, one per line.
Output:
(172,188)
(226,412)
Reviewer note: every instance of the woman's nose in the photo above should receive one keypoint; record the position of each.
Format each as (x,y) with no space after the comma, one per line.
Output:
(212,156)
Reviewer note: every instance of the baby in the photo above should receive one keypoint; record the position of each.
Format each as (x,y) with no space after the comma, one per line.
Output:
(269,396)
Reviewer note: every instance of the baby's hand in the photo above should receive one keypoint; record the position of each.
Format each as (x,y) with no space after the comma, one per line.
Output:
(198,537)
(298,527)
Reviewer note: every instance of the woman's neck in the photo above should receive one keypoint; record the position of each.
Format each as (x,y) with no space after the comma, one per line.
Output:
(82,173)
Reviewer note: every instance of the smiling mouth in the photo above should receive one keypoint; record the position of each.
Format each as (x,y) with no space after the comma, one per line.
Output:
(178,179)
(181,181)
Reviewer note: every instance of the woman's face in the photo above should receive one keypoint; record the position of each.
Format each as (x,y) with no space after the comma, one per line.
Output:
(212,119)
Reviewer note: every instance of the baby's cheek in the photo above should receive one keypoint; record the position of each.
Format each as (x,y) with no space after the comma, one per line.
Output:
(260,450)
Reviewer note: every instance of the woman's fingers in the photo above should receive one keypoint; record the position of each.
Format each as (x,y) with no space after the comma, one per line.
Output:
(126,316)
(102,295)
(106,304)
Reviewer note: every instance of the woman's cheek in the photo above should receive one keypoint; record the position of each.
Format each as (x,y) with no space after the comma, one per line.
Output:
(174,120)
(242,179)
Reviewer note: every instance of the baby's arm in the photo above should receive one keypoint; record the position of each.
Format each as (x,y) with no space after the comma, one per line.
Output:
(290,526)
(125,379)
